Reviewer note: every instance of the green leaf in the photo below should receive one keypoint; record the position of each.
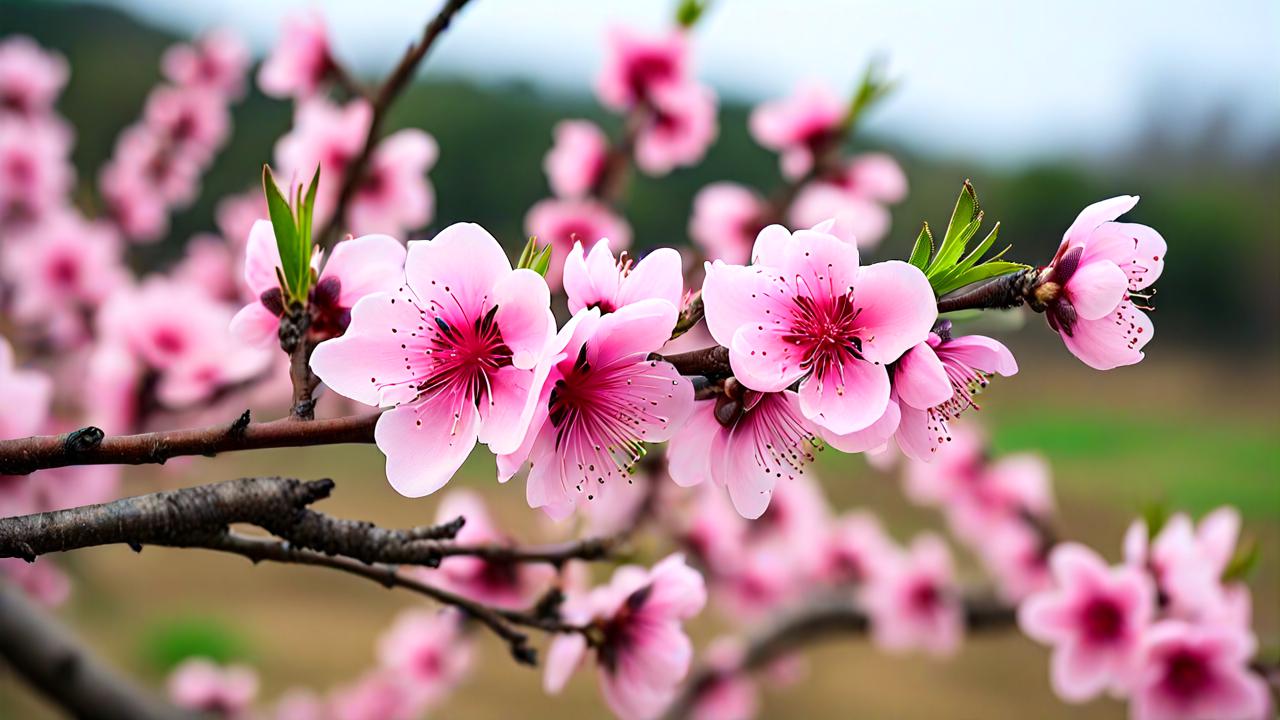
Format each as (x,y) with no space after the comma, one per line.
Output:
(543,262)
(964,223)
(1243,561)
(873,87)
(286,231)
(166,644)
(923,248)
(1155,515)
(528,254)
(688,12)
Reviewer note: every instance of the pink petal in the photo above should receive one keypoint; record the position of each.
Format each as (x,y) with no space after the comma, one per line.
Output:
(261,258)
(1074,565)
(367,364)
(459,267)
(981,352)
(1076,673)
(770,248)
(762,359)
(688,459)
(1137,249)
(1096,289)
(750,483)
(1112,341)
(373,263)
(1096,214)
(590,279)
(524,316)
(869,438)
(920,379)
(637,329)
(660,275)
(820,264)
(564,655)
(734,296)
(850,397)
(1047,618)
(898,309)
(425,443)
(505,418)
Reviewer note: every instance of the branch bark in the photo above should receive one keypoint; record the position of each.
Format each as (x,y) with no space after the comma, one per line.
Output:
(49,657)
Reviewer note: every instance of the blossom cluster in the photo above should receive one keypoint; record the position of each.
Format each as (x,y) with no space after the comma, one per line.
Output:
(1168,628)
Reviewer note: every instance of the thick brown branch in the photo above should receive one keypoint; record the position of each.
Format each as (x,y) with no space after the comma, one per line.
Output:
(50,658)
(821,621)
(712,362)
(88,446)
(382,101)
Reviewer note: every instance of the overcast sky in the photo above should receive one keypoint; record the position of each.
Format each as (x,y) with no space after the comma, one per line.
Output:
(1003,79)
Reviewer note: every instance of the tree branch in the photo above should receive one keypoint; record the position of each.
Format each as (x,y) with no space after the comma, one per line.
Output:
(88,446)
(998,293)
(382,101)
(816,622)
(49,657)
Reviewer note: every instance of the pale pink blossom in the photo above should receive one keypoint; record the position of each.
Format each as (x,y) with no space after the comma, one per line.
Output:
(134,204)
(225,692)
(805,311)
(576,159)
(798,517)
(797,126)
(301,60)
(600,399)
(190,121)
(452,352)
(1095,285)
(680,126)
(60,270)
(914,601)
(31,78)
(325,136)
(24,396)
(561,223)
(645,651)
(145,162)
(209,263)
(490,581)
(726,219)
(858,220)
(41,580)
(1198,672)
(763,579)
(355,268)
(600,281)
(300,704)
(1095,618)
(1187,562)
(375,695)
(855,547)
(394,196)
(35,174)
(428,652)
(635,65)
(713,531)
(730,694)
(1017,558)
(236,215)
(216,61)
(115,374)
(936,381)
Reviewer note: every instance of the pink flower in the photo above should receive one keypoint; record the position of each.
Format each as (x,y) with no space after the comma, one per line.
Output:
(913,601)
(355,268)
(1198,672)
(136,207)
(145,163)
(858,220)
(1017,557)
(731,695)
(855,548)
(394,196)
(30,77)
(41,580)
(577,158)
(299,704)
(190,121)
(216,61)
(300,62)
(1095,618)
(210,263)
(600,399)
(1100,268)
(726,219)
(452,353)
(35,174)
(936,381)
(427,651)
(764,579)
(327,136)
(561,223)
(376,695)
(636,65)
(599,281)
(797,126)
(198,684)
(493,582)
(745,443)
(1187,563)
(678,130)
(24,397)
(61,270)
(236,215)
(645,653)
(805,311)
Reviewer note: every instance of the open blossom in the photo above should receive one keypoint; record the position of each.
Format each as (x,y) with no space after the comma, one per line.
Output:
(1198,672)
(726,219)
(730,695)
(24,397)
(798,126)
(1094,288)
(226,692)
(394,195)
(914,602)
(805,311)
(599,281)
(135,206)
(62,269)
(576,159)
(300,61)
(764,579)
(490,581)
(428,652)
(355,268)
(144,163)
(936,381)
(327,136)
(635,65)
(30,78)
(216,61)
(452,352)
(1095,618)
(561,223)
(680,127)
(858,220)
(1017,557)
(600,399)
(645,652)
(35,174)
(190,121)
(854,550)
(1187,562)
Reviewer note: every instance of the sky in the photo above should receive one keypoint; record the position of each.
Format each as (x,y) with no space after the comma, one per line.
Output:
(1005,80)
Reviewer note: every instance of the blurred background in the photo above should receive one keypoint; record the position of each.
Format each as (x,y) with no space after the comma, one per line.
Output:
(1047,107)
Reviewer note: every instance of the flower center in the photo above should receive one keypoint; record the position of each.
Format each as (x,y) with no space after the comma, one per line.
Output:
(826,332)
(1102,620)
(646,71)
(1186,675)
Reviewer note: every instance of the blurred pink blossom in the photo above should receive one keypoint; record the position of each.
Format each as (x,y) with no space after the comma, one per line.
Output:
(24,396)
(726,219)
(394,195)
(35,174)
(216,61)
(190,121)
(31,78)
(731,695)
(226,692)
(1191,672)
(914,601)
(561,223)
(797,126)
(679,129)
(635,65)
(428,652)
(301,59)
(576,159)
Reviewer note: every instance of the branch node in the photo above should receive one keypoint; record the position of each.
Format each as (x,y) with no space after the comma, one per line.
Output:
(241,424)
(83,440)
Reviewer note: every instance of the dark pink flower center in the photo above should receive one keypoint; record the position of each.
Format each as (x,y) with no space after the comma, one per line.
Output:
(1187,674)
(63,271)
(1102,621)
(169,340)
(646,70)
(427,662)
(619,631)
(826,332)
(20,168)
(924,596)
